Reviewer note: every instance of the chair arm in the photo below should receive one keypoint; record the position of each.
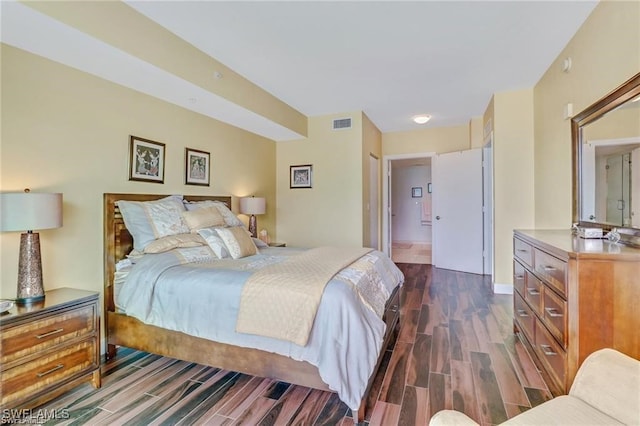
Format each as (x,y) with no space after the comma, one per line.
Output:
(451,418)
(610,382)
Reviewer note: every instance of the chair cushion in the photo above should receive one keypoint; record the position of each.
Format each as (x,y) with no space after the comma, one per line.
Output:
(563,410)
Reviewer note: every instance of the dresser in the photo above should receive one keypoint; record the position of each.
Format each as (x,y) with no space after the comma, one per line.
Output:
(49,347)
(571,297)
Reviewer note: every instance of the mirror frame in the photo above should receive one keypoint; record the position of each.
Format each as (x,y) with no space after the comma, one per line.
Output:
(630,89)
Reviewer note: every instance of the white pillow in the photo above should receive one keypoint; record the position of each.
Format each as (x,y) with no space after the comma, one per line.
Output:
(215,242)
(149,220)
(259,243)
(229,218)
(238,241)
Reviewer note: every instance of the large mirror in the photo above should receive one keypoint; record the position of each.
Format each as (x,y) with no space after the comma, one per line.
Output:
(606,161)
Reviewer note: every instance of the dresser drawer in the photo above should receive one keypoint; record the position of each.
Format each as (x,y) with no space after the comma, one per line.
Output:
(38,336)
(533,292)
(523,251)
(48,371)
(552,270)
(551,354)
(519,277)
(555,316)
(524,317)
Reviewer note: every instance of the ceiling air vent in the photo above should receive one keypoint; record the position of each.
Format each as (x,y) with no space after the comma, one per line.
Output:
(341,123)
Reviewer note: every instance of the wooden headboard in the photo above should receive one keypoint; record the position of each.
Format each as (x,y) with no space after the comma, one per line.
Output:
(117,240)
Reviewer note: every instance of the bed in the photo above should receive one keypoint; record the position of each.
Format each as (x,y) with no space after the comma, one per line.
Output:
(124,327)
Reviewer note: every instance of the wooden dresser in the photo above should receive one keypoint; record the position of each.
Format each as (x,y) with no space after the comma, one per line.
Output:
(49,347)
(573,296)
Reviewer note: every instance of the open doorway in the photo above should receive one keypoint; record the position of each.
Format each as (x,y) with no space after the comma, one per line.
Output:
(407,195)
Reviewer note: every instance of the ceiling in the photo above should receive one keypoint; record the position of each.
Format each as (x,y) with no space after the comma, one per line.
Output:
(389,59)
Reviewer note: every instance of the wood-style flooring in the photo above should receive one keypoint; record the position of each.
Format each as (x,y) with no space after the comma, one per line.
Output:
(408,252)
(455,349)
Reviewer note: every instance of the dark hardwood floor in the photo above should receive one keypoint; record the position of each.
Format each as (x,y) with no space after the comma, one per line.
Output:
(455,349)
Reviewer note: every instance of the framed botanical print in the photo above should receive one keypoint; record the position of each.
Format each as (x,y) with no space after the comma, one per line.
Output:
(197,167)
(146,160)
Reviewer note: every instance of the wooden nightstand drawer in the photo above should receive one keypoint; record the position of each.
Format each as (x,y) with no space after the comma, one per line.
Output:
(49,347)
(40,335)
(48,371)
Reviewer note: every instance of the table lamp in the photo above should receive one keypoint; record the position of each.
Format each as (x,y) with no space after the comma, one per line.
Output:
(253,206)
(29,211)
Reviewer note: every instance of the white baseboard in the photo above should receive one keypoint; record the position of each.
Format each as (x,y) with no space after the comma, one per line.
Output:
(502,288)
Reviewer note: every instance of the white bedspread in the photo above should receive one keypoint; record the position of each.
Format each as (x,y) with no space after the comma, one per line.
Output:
(178,291)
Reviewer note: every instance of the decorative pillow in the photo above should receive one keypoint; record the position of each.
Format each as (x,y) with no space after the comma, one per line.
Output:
(204,217)
(215,242)
(174,241)
(259,243)
(229,218)
(238,241)
(150,220)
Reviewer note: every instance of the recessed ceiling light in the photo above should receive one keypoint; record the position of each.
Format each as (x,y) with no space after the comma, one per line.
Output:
(422,118)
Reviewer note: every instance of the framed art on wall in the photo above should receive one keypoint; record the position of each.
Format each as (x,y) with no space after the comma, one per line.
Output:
(146,160)
(197,167)
(300,176)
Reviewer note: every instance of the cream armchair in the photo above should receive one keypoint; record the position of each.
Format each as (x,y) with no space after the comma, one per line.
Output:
(606,390)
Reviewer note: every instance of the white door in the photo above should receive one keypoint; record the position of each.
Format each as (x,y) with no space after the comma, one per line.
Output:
(457,211)
(373,202)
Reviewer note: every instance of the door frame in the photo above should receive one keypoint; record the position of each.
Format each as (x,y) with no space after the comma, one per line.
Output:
(387,196)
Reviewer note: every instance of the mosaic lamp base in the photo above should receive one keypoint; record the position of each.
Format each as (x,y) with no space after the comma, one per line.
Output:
(30,288)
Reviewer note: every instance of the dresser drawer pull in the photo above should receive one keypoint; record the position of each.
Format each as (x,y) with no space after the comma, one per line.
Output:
(394,308)
(519,277)
(532,291)
(546,349)
(553,312)
(56,368)
(43,335)
(522,250)
(522,313)
(548,268)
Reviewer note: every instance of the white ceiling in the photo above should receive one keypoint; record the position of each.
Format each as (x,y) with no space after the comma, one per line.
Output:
(390,59)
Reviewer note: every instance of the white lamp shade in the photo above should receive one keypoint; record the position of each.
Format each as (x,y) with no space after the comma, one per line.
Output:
(253,205)
(29,211)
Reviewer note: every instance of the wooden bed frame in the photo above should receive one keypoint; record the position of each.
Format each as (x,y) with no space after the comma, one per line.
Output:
(122,330)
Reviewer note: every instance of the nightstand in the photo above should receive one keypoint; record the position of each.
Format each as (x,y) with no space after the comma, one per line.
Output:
(277,244)
(49,347)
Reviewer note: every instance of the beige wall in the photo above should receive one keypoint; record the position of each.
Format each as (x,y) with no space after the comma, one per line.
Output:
(476,132)
(513,186)
(605,52)
(371,145)
(331,212)
(431,139)
(67,131)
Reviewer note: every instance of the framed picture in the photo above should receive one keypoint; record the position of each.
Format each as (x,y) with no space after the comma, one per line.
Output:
(146,160)
(416,192)
(300,176)
(197,167)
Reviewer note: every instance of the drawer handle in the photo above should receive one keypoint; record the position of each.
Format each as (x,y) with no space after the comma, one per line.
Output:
(546,349)
(522,313)
(553,312)
(519,277)
(56,368)
(522,250)
(394,308)
(548,268)
(532,291)
(43,335)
